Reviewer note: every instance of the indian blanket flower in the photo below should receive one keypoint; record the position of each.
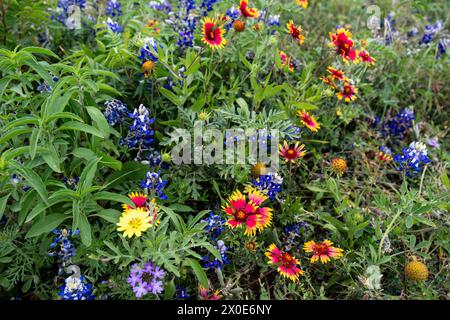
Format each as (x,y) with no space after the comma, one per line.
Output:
(323,251)
(295,32)
(213,34)
(286,61)
(246,11)
(384,154)
(365,57)
(205,295)
(139,200)
(347,93)
(245,211)
(115,112)
(287,265)
(291,153)
(134,221)
(343,43)
(302,3)
(308,120)
(336,74)
(338,165)
(412,159)
(145,279)
(155,184)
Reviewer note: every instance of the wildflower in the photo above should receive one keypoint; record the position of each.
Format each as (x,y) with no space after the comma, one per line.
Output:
(139,200)
(308,120)
(400,123)
(248,213)
(295,32)
(286,61)
(134,221)
(114,26)
(348,93)
(246,11)
(339,166)
(269,184)
(322,251)
(286,264)
(273,21)
(204,294)
(291,153)
(416,270)
(292,233)
(207,6)
(412,159)
(65,11)
(155,184)
(146,279)
(251,245)
(239,26)
(75,288)
(115,111)
(433,142)
(212,34)
(215,225)
(64,248)
(336,74)
(140,132)
(303,3)
(341,39)
(231,16)
(384,154)
(216,263)
(181,293)
(365,57)
(185,23)
(258,169)
(430,32)
(148,57)
(153,24)
(71,183)
(113,8)
(161,5)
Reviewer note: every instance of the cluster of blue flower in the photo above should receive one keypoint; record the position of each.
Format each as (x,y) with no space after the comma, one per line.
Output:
(412,159)
(68,12)
(45,87)
(140,134)
(155,185)
(269,184)
(211,262)
(115,112)
(64,249)
(215,225)
(113,10)
(397,126)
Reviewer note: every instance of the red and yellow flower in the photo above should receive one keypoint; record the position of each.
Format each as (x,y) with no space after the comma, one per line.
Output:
(322,251)
(286,61)
(295,32)
(308,120)
(286,264)
(343,43)
(303,3)
(247,213)
(246,11)
(348,93)
(204,294)
(365,57)
(139,200)
(213,34)
(291,153)
(153,24)
(336,74)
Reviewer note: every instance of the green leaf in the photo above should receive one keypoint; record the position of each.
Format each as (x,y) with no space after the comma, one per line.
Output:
(34,141)
(87,176)
(33,179)
(3,202)
(14,132)
(78,126)
(174,217)
(85,230)
(99,120)
(110,215)
(105,195)
(169,290)
(198,270)
(46,224)
(303,106)
(40,50)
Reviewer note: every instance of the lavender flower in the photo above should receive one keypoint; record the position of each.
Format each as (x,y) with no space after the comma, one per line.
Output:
(146,279)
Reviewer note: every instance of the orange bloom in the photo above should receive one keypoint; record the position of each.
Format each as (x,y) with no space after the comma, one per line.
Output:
(364,56)
(303,3)
(248,12)
(295,32)
(308,120)
(204,294)
(348,93)
(213,35)
(286,264)
(339,166)
(291,153)
(248,213)
(322,251)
